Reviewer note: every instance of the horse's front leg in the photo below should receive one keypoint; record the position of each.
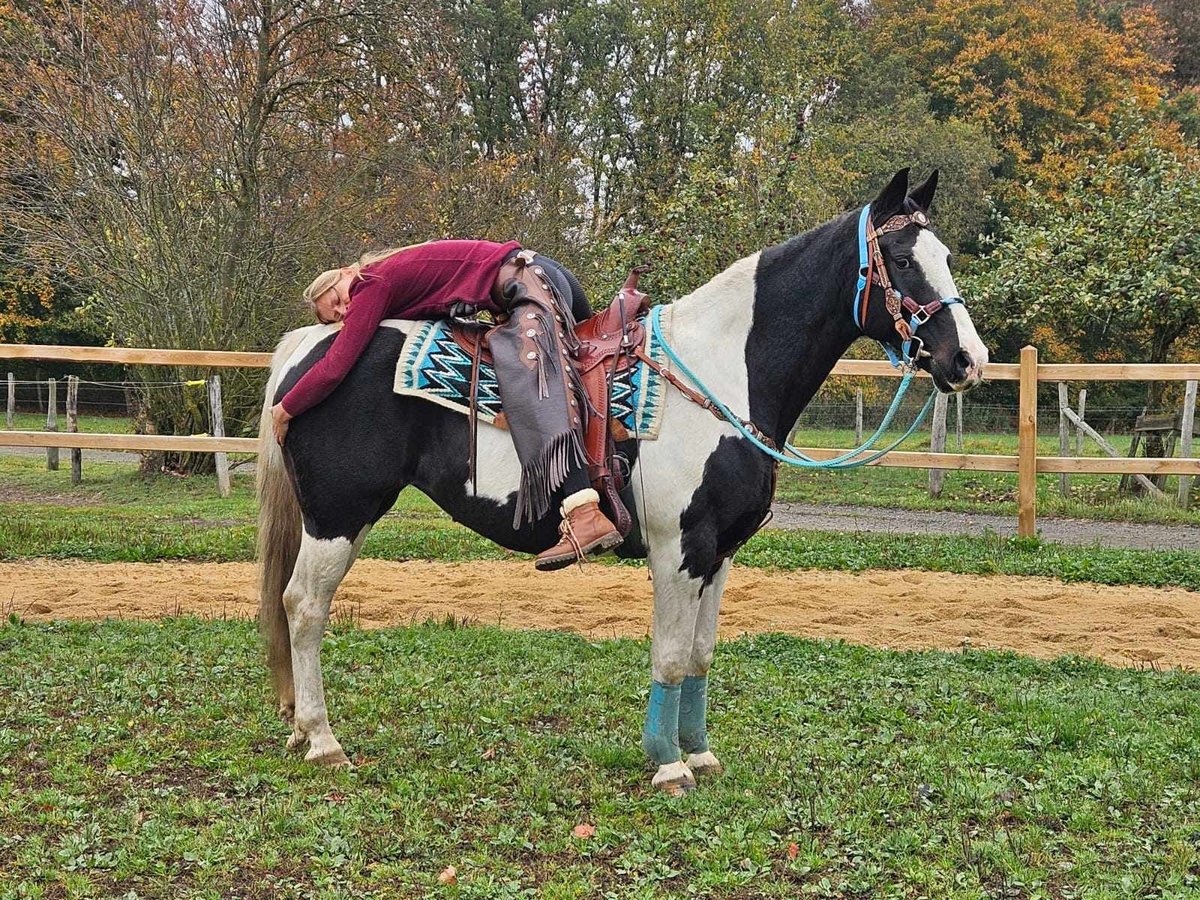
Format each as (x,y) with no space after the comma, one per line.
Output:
(676,608)
(320,567)
(693,694)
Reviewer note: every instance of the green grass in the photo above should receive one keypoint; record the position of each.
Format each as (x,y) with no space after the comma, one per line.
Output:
(1092,496)
(90,424)
(116,516)
(144,760)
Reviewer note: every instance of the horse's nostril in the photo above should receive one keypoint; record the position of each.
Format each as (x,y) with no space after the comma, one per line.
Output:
(962,364)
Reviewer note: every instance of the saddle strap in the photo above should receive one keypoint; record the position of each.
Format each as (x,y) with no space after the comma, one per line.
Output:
(698,398)
(473,416)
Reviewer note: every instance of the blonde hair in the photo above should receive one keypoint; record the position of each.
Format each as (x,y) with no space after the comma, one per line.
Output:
(329,277)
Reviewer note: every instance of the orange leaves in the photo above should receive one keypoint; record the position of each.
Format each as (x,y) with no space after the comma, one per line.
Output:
(1030,70)
(583,831)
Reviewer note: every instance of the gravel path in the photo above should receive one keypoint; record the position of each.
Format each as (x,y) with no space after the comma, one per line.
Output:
(1059,531)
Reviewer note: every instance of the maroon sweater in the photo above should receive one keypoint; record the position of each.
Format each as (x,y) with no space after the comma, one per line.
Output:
(419,283)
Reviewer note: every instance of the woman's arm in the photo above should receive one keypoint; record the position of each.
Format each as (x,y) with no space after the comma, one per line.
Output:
(368,309)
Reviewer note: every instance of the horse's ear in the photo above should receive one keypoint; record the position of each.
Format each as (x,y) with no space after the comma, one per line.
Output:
(891,199)
(922,195)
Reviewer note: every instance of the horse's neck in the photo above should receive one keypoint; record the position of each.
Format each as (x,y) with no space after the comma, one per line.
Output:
(765,333)
(709,328)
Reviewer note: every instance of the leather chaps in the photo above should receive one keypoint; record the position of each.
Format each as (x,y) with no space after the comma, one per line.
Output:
(543,397)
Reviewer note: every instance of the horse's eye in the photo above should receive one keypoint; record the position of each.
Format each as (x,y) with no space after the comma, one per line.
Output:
(903,262)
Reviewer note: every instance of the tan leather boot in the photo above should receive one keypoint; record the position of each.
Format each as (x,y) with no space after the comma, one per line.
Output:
(584,529)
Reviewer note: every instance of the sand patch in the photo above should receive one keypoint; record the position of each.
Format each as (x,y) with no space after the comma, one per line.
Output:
(901,610)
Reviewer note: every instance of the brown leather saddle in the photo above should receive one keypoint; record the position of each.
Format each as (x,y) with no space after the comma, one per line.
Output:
(608,343)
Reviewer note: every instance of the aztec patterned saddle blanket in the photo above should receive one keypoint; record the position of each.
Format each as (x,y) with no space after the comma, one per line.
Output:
(435,367)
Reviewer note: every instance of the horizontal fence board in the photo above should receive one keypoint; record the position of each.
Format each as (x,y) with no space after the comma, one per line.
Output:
(1098,465)
(906,459)
(191,444)
(870,367)
(1116,372)
(136,356)
(1087,465)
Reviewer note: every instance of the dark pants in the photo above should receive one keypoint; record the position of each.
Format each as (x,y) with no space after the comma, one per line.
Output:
(568,285)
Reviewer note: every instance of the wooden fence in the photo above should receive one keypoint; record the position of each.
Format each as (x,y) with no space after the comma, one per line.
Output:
(1027,464)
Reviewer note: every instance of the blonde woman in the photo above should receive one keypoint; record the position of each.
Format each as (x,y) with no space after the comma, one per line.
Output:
(425,281)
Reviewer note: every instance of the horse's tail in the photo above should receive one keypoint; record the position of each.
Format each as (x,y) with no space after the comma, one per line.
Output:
(279,528)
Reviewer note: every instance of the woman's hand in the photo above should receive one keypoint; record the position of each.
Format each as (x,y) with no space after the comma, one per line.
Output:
(279,422)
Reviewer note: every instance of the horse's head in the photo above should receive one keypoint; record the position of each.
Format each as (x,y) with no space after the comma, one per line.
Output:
(909,288)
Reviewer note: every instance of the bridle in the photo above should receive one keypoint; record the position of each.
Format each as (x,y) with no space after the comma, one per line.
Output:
(872,270)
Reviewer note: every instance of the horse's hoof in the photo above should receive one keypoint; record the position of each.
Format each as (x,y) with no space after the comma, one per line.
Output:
(674,779)
(332,759)
(296,740)
(704,764)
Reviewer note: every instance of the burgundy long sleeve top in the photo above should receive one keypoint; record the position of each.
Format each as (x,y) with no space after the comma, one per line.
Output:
(418,283)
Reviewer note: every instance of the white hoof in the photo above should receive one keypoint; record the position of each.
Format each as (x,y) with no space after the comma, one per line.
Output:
(704,764)
(334,758)
(674,779)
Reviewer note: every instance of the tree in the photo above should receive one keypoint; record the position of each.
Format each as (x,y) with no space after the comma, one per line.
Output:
(196,161)
(1032,73)
(1108,270)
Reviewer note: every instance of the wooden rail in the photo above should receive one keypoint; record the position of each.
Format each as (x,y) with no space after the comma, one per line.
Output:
(134,356)
(1027,464)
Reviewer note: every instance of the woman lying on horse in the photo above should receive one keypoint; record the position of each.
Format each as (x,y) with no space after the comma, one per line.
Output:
(543,300)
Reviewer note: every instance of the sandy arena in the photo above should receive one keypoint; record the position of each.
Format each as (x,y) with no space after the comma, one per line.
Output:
(902,610)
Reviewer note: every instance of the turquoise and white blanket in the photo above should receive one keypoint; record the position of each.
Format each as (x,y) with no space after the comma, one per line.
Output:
(434,367)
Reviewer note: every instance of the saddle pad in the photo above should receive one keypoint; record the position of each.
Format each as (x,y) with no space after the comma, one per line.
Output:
(434,367)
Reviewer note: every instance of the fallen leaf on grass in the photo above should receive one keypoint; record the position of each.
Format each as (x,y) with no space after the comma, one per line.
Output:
(489,753)
(449,876)
(793,850)
(584,830)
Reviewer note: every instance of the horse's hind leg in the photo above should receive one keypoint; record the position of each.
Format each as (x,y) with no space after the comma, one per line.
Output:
(693,694)
(320,567)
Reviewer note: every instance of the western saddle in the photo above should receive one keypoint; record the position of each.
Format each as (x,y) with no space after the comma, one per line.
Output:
(608,343)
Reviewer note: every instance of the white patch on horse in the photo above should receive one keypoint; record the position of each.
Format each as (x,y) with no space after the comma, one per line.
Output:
(312,335)
(497,468)
(404,326)
(708,329)
(932,257)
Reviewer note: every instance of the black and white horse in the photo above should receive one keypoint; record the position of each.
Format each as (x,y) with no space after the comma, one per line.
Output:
(763,335)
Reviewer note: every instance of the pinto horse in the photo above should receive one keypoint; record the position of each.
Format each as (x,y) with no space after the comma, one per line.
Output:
(763,335)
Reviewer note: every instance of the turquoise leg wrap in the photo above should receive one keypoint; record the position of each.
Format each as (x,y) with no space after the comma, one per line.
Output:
(660,735)
(693,704)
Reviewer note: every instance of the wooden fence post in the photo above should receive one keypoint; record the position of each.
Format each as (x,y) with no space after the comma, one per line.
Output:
(1064,479)
(858,417)
(1185,441)
(12,401)
(218,430)
(52,423)
(1027,445)
(937,442)
(73,427)
(958,400)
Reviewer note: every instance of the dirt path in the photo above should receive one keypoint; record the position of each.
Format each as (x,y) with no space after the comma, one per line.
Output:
(1081,532)
(903,610)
